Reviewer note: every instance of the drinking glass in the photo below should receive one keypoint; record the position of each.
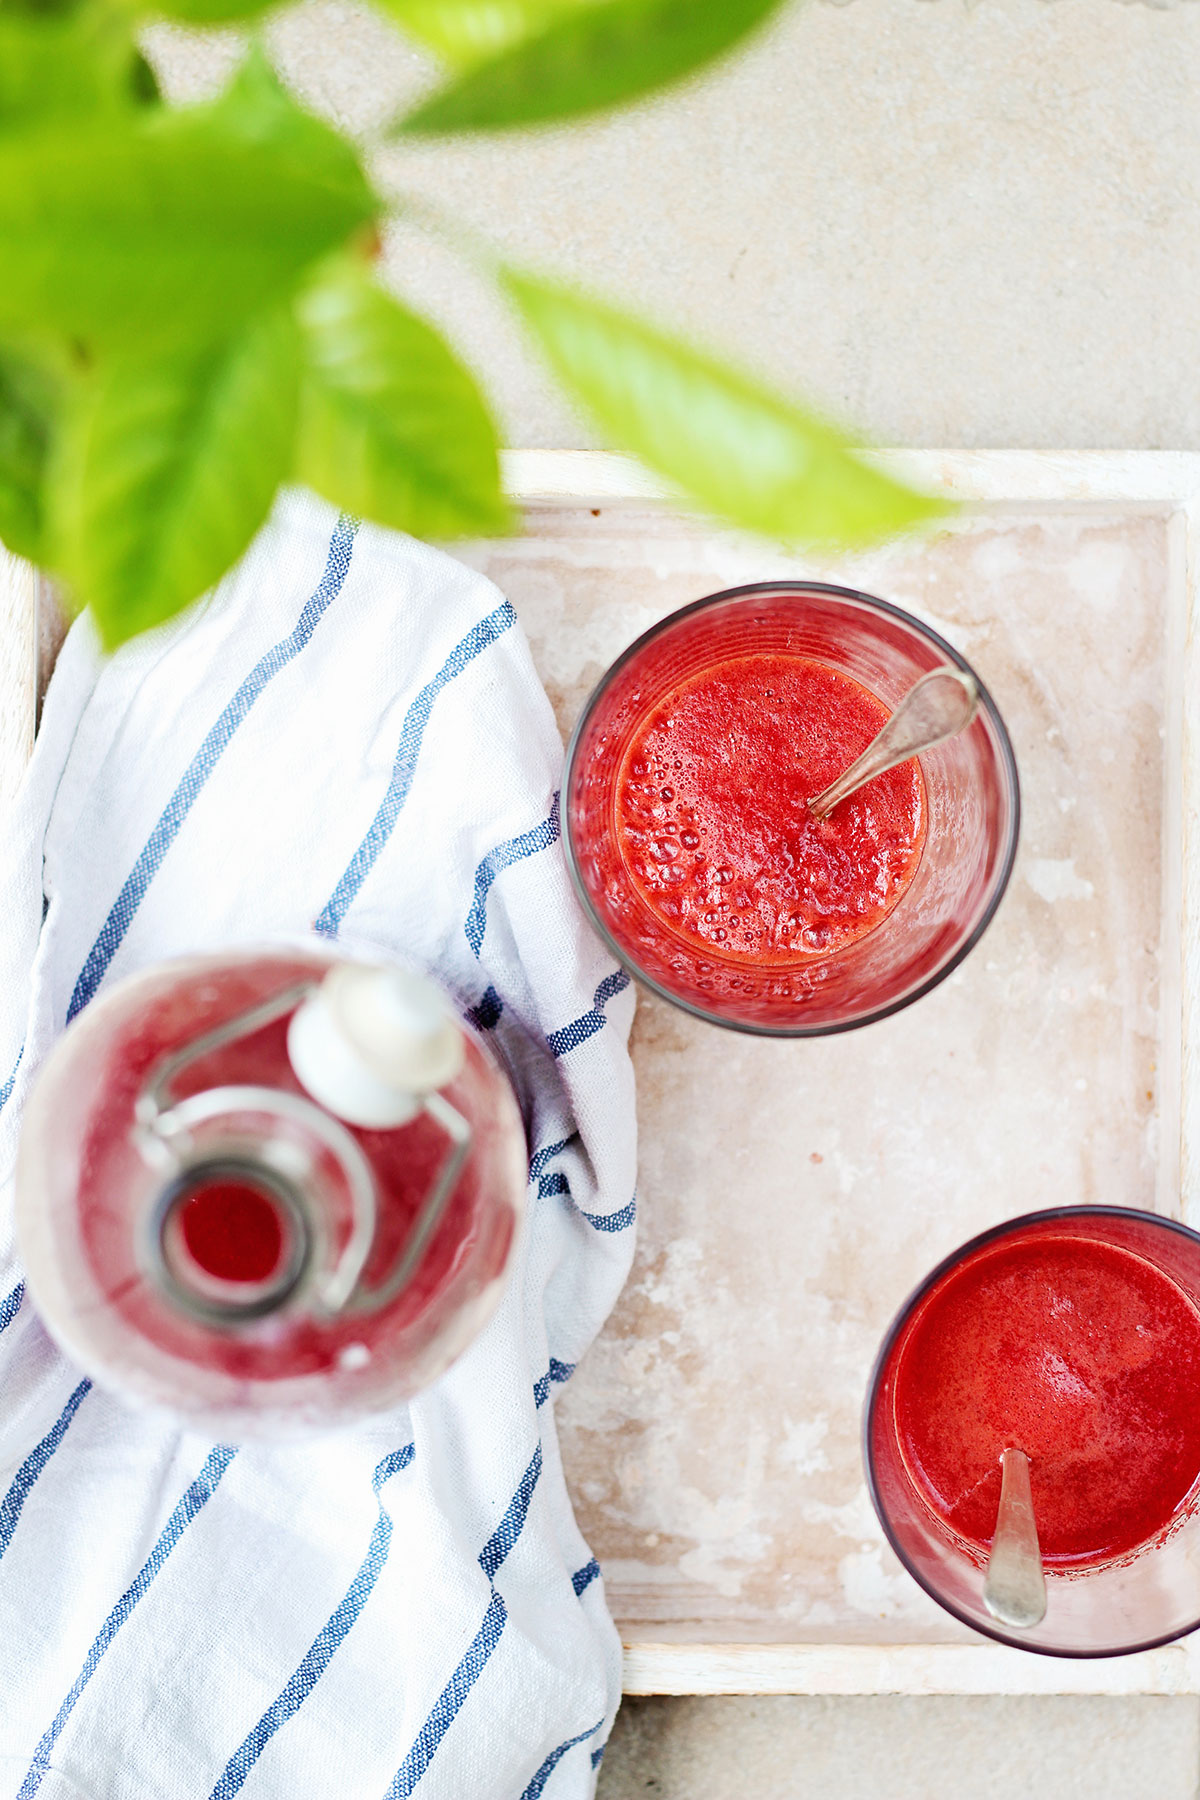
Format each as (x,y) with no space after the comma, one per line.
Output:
(973,814)
(1141,1599)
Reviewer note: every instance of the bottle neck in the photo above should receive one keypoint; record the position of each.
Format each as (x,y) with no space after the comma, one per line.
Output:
(267,1200)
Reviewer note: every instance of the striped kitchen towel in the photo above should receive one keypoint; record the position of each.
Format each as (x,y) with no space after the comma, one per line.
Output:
(349,737)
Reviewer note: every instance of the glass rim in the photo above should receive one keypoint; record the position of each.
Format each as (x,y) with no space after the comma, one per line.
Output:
(1006,1228)
(1008,763)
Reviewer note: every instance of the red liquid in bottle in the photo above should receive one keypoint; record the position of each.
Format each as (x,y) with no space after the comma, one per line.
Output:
(712,821)
(233,1230)
(236,1232)
(1083,1355)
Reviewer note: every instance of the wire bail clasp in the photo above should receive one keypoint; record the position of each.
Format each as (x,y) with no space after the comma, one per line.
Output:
(182,1140)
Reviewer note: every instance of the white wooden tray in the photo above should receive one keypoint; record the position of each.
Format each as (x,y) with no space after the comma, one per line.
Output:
(791,1194)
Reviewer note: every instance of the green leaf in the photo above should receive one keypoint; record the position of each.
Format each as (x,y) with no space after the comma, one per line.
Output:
(466,31)
(392,426)
(203,12)
(167,467)
(166,226)
(27,408)
(734,446)
(43,9)
(144,82)
(45,70)
(63,68)
(256,110)
(596,57)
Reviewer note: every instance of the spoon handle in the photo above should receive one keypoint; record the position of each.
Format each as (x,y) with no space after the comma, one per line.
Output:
(1014,1589)
(936,707)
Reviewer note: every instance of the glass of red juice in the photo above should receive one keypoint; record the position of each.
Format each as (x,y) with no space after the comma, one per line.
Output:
(688,834)
(1074,1335)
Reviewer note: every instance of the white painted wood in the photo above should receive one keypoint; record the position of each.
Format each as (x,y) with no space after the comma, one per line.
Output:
(1165,483)
(1165,480)
(1177,1190)
(1188,799)
(657,1668)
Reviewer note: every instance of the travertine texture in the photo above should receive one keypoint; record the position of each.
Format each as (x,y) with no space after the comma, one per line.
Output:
(792,1193)
(794,1749)
(953,223)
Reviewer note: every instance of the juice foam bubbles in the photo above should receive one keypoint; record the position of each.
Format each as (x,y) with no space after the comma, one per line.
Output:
(713,822)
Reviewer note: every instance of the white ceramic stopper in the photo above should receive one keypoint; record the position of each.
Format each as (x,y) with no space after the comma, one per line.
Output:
(372,1041)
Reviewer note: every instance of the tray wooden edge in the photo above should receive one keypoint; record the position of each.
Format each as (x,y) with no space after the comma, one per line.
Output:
(982,1668)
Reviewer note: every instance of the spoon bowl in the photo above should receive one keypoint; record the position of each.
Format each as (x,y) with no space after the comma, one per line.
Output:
(937,707)
(1014,1588)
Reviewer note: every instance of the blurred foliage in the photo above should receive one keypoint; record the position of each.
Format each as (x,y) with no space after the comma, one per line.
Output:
(189,315)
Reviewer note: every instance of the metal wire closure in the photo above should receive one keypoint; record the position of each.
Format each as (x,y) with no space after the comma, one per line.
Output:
(163,1133)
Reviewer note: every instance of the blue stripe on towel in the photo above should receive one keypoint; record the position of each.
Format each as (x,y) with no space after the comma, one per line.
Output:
(204,762)
(485,1014)
(558,1371)
(533,1791)
(618,1221)
(449,1701)
(10,1306)
(194,1499)
(503,857)
(7,1089)
(598,1755)
(35,1462)
(583,1578)
(569,1037)
(555,1182)
(409,749)
(540,1158)
(510,1526)
(328,1639)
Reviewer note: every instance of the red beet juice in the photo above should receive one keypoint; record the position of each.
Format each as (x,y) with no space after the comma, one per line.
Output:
(1082,1354)
(712,818)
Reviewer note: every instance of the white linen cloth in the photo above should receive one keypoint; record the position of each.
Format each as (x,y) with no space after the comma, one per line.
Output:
(349,735)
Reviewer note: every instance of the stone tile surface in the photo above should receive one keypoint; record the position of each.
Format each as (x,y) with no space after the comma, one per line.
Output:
(950,222)
(903,1748)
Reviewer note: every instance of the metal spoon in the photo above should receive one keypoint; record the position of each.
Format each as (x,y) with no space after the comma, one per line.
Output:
(1014,1589)
(937,707)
